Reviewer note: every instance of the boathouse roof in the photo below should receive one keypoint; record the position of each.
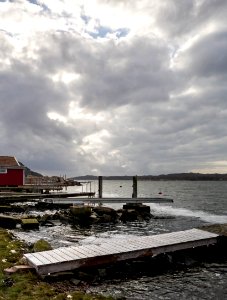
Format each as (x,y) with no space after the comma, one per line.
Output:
(9,161)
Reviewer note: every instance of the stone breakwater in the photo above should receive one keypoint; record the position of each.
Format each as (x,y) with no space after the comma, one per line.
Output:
(75,215)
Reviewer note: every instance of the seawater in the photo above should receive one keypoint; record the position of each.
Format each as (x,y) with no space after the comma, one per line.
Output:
(196,203)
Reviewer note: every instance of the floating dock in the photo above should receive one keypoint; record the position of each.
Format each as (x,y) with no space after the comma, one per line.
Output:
(106,200)
(23,197)
(73,257)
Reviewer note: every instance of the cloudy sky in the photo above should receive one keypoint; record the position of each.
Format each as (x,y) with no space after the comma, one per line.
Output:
(118,87)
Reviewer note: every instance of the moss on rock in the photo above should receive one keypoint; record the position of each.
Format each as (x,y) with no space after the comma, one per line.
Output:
(220,229)
(29,224)
(41,245)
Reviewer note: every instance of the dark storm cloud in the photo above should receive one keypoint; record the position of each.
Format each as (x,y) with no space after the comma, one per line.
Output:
(208,57)
(26,96)
(160,113)
(129,73)
(179,18)
(112,74)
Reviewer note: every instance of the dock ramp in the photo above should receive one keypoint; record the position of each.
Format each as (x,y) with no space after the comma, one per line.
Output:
(73,257)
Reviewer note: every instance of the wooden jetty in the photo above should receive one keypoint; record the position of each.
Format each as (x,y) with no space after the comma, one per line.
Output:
(73,257)
(19,197)
(107,200)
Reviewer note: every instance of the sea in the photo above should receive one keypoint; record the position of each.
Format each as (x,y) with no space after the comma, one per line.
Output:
(196,203)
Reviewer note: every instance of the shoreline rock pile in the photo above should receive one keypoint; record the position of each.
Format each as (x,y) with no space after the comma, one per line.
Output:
(78,215)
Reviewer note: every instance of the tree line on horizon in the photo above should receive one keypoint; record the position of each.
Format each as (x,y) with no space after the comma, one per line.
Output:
(174,176)
(177,176)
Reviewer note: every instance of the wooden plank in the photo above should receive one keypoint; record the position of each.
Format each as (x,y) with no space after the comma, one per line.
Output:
(70,254)
(91,250)
(33,259)
(50,257)
(76,252)
(116,247)
(182,246)
(108,249)
(68,258)
(101,249)
(57,256)
(41,258)
(65,256)
(109,200)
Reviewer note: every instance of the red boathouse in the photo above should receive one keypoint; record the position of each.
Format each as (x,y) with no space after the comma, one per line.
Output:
(11,172)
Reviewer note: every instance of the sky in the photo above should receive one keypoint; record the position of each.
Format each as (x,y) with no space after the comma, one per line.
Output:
(114,87)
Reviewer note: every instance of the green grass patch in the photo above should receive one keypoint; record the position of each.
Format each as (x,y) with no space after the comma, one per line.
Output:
(28,286)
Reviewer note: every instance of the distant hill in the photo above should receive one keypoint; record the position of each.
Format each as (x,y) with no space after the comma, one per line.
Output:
(29,171)
(177,176)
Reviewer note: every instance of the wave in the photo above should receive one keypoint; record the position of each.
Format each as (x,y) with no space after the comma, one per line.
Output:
(173,211)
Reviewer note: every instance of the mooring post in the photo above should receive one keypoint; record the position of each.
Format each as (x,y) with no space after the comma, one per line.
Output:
(134,186)
(100,186)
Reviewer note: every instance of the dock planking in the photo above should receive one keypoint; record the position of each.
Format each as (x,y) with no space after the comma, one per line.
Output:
(108,200)
(113,250)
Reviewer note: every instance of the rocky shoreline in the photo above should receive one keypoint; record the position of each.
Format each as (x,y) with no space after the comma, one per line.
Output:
(24,284)
(76,283)
(12,216)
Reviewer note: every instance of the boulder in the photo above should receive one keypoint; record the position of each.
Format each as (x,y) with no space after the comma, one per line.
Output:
(100,211)
(103,215)
(29,224)
(129,215)
(138,207)
(41,245)
(8,222)
(80,211)
(132,215)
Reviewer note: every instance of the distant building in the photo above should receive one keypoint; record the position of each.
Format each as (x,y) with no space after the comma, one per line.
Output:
(11,172)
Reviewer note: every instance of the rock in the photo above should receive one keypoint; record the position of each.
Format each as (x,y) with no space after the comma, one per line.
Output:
(8,222)
(220,229)
(18,269)
(129,215)
(138,207)
(29,224)
(11,208)
(85,276)
(75,281)
(59,276)
(100,211)
(41,245)
(106,219)
(65,219)
(45,221)
(23,261)
(5,208)
(8,282)
(94,218)
(80,211)
(9,271)
(104,214)
(102,272)
(80,215)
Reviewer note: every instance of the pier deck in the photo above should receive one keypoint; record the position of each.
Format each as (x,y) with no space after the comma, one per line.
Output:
(19,197)
(107,200)
(73,257)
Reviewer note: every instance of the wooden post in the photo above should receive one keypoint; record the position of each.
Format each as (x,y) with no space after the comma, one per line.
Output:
(134,186)
(100,186)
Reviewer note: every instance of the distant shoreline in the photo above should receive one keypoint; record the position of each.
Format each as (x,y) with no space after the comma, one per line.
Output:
(174,177)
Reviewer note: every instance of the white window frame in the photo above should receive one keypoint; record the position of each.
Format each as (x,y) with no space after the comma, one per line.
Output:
(3,170)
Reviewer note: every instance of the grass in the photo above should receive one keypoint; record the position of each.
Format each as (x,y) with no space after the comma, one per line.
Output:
(28,286)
